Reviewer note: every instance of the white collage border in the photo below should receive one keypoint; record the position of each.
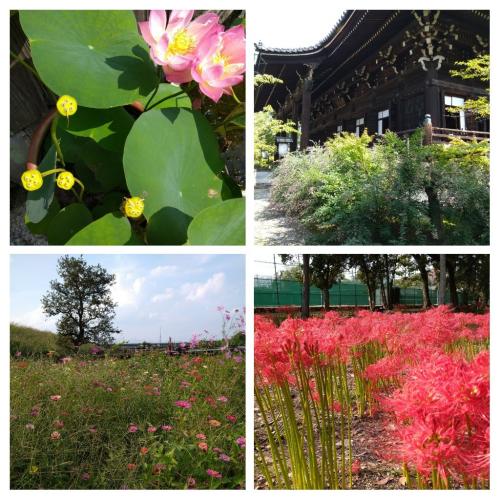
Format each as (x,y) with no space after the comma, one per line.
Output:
(254,10)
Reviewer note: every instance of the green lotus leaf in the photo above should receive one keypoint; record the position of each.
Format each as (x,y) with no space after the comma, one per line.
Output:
(96,56)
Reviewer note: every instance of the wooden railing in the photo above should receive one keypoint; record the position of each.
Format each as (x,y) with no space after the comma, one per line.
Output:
(440,134)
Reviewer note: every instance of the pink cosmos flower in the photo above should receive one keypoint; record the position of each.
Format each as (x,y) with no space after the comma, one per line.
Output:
(55,436)
(58,424)
(133,428)
(183,404)
(214,473)
(151,429)
(220,62)
(30,427)
(174,46)
(131,466)
(166,428)
(203,446)
(85,476)
(201,436)
(18,354)
(92,430)
(241,442)
(231,418)
(224,457)
(191,482)
(56,397)
(157,468)
(222,399)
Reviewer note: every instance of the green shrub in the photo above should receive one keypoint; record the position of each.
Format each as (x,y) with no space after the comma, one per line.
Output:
(356,192)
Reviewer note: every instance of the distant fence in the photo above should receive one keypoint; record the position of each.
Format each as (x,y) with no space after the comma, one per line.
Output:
(177,349)
(269,292)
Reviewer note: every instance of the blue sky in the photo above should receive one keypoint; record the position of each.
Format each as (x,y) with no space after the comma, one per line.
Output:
(179,293)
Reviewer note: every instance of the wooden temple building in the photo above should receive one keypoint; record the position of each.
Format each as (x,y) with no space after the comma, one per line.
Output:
(379,70)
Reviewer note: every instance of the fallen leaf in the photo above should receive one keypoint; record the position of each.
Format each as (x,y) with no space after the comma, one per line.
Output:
(383,481)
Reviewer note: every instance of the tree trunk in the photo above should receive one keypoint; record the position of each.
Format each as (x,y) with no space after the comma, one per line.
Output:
(450,265)
(435,212)
(383,295)
(424,276)
(326,298)
(372,290)
(442,279)
(389,282)
(305,286)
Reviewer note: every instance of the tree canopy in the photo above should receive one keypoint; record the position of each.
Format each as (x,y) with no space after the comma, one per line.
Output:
(82,301)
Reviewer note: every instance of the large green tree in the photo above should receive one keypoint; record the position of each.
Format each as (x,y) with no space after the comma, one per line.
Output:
(82,301)
(266,128)
(325,271)
(477,68)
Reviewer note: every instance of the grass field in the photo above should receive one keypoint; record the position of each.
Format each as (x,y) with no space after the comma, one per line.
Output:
(151,421)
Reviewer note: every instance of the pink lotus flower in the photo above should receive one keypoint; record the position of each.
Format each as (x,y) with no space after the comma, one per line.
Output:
(214,473)
(151,429)
(166,428)
(183,404)
(220,63)
(133,428)
(56,397)
(174,46)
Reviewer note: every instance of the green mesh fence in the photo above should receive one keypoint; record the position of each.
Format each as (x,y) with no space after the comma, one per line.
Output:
(269,292)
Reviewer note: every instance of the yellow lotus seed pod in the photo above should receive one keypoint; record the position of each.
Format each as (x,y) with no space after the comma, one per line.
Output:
(65,180)
(32,180)
(66,105)
(133,207)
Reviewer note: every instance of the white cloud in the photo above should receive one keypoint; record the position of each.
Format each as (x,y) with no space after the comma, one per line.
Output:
(197,291)
(127,289)
(163,270)
(162,297)
(36,319)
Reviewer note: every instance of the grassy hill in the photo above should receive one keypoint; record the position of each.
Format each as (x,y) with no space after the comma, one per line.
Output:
(30,341)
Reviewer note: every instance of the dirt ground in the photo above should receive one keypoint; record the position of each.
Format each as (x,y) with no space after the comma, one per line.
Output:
(271,226)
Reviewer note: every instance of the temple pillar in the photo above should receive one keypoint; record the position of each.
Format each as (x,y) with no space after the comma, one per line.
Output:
(305,116)
(433,98)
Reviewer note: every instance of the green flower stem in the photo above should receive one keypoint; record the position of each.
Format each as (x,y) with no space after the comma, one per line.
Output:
(234,96)
(55,140)
(155,90)
(80,183)
(164,99)
(18,59)
(52,171)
